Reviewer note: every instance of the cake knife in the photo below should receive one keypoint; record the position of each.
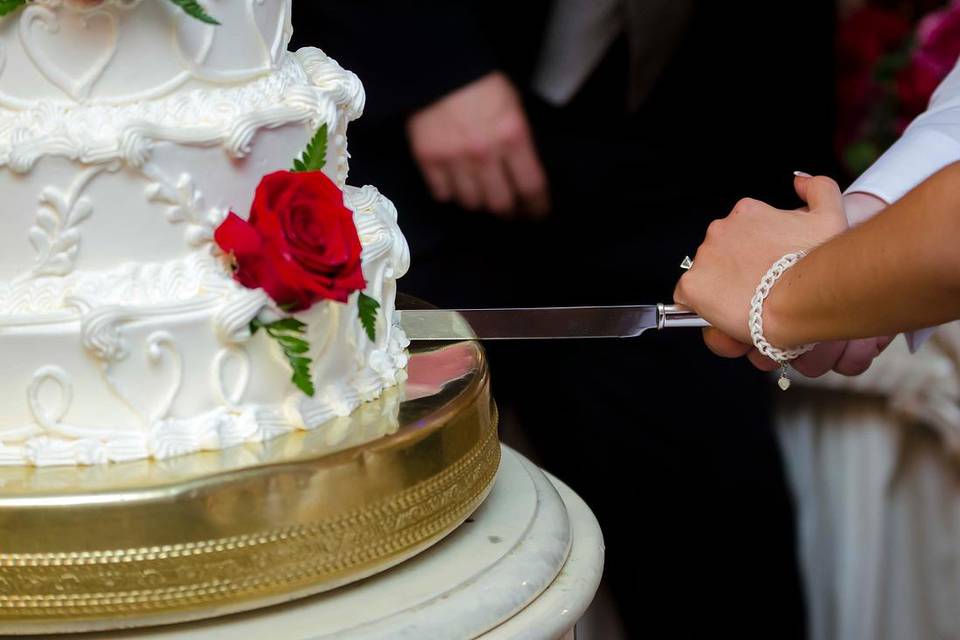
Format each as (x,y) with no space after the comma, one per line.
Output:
(556,323)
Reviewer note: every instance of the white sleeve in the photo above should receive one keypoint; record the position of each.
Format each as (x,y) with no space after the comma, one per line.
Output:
(929,144)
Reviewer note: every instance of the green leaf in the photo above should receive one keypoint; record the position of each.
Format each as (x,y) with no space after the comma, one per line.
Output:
(6,6)
(315,157)
(292,345)
(368,315)
(192,7)
(287,325)
(286,332)
(298,362)
(302,379)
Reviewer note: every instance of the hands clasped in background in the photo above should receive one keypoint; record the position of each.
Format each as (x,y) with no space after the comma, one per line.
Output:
(475,147)
(738,251)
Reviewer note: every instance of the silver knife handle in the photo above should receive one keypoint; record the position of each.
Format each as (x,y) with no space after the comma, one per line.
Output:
(674,316)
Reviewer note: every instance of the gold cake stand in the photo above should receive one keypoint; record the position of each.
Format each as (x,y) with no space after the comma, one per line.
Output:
(147,543)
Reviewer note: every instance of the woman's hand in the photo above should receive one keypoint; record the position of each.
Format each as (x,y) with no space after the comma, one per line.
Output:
(741,248)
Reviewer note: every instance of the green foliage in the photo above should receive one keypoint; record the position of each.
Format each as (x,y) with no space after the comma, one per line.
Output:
(6,6)
(315,157)
(368,315)
(860,155)
(288,333)
(192,7)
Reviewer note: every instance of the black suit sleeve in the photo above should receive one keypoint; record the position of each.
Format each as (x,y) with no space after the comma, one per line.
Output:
(408,54)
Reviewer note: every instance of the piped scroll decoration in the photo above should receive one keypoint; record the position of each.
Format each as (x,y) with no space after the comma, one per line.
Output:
(232,326)
(77,85)
(46,417)
(158,344)
(56,234)
(232,395)
(103,338)
(186,206)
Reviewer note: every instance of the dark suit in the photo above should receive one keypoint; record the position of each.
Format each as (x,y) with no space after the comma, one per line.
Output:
(671,447)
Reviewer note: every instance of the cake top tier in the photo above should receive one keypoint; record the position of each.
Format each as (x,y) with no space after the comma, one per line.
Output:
(121,51)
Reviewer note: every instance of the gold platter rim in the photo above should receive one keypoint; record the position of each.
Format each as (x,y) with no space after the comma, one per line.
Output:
(445,452)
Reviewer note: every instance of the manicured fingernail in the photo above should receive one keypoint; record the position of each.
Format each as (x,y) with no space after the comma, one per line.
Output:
(802,174)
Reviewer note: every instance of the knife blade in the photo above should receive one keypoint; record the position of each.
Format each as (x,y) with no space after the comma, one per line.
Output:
(545,323)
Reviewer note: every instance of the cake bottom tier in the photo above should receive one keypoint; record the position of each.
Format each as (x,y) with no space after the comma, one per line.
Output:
(116,385)
(202,535)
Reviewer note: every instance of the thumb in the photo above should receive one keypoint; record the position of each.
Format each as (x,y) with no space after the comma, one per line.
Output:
(820,193)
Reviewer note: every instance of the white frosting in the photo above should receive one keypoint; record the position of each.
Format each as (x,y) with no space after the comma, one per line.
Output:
(111,180)
(133,283)
(128,131)
(226,116)
(115,378)
(135,50)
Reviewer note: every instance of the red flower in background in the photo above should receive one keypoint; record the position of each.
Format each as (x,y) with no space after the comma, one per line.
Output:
(300,244)
(889,67)
(865,37)
(935,55)
(869,33)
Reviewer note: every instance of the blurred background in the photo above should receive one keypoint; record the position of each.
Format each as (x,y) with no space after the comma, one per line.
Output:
(539,157)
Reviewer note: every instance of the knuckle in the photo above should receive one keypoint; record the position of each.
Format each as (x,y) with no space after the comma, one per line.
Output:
(433,159)
(716,228)
(479,150)
(688,289)
(746,205)
(823,182)
(513,131)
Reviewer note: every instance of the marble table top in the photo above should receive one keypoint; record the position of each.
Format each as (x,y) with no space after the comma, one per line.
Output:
(525,566)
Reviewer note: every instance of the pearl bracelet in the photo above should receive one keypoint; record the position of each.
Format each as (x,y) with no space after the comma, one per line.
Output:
(780,356)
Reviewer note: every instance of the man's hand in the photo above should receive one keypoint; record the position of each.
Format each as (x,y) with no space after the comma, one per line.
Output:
(860,207)
(474,147)
(846,358)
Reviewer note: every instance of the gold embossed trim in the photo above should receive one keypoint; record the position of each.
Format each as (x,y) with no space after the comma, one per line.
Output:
(139,581)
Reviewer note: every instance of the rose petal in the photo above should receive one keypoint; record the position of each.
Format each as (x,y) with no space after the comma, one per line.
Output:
(235,235)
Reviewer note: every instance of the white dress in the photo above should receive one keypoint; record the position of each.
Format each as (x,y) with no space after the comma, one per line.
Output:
(874,465)
(874,462)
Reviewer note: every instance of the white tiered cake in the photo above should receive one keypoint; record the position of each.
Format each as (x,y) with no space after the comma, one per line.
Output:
(128,131)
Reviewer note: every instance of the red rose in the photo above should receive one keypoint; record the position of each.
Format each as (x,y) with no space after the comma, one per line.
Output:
(300,244)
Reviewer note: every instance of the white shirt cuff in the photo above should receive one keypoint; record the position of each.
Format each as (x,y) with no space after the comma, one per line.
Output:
(914,158)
